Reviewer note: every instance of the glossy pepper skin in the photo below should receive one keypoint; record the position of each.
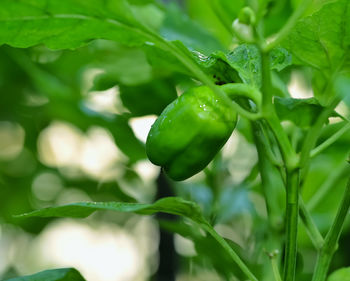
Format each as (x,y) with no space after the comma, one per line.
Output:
(190,132)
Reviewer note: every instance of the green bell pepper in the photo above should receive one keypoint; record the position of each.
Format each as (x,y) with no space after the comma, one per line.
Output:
(190,132)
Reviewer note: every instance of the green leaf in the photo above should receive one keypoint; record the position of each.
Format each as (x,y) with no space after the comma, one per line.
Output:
(61,274)
(216,16)
(322,40)
(161,60)
(64,106)
(170,205)
(150,98)
(67,23)
(246,60)
(342,86)
(280,58)
(141,2)
(216,66)
(342,274)
(126,139)
(178,26)
(127,66)
(150,16)
(302,112)
(242,64)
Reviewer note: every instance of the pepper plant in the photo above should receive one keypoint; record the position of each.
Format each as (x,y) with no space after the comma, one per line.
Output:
(230,62)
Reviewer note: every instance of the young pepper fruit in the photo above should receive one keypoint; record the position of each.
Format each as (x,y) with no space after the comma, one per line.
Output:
(190,132)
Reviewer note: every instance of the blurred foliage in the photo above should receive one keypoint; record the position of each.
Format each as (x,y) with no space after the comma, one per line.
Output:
(70,94)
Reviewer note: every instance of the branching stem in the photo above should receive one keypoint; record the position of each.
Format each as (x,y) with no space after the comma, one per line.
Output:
(331,241)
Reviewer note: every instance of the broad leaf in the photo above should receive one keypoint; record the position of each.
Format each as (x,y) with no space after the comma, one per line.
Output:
(302,112)
(61,274)
(150,16)
(67,23)
(149,98)
(342,274)
(280,58)
(161,60)
(216,16)
(322,40)
(216,66)
(178,26)
(127,66)
(244,60)
(342,86)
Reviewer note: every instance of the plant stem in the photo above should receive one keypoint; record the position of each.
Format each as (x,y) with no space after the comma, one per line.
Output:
(266,172)
(285,30)
(312,230)
(239,89)
(314,132)
(291,163)
(331,241)
(289,156)
(269,181)
(292,214)
(230,251)
(275,270)
(266,86)
(330,140)
(268,111)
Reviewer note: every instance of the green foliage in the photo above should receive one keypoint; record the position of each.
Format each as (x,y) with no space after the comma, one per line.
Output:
(342,274)
(60,59)
(150,98)
(62,274)
(178,26)
(67,24)
(175,206)
(322,40)
(302,112)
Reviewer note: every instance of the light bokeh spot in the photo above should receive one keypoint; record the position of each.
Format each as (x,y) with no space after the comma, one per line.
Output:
(11,140)
(142,125)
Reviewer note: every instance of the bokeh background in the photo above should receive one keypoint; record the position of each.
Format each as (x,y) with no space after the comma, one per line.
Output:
(72,128)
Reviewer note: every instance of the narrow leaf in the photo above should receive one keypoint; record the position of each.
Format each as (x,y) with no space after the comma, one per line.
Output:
(61,274)
(170,205)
